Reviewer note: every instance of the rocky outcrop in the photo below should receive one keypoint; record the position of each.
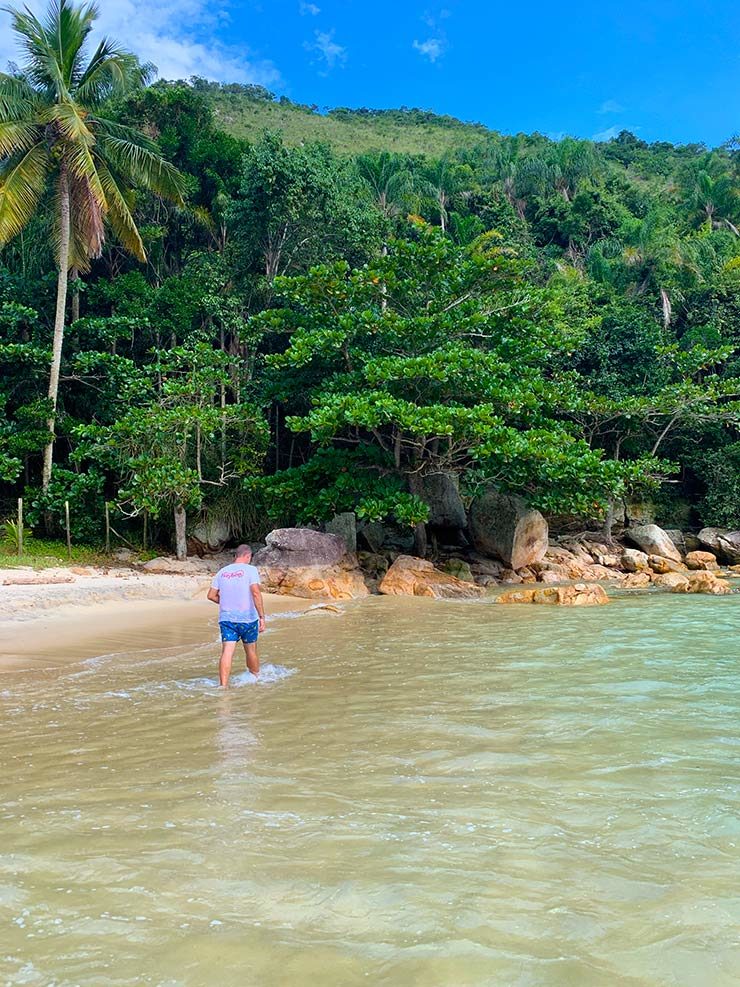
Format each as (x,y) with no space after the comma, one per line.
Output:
(344,525)
(671,580)
(709,538)
(729,546)
(704,582)
(662,565)
(637,580)
(211,534)
(460,569)
(633,560)
(506,528)
(721,542)
(313,565)
(298,547)
(343,581)
(701,560)
(441,493)
(578,595)
(409,576)
(653,540)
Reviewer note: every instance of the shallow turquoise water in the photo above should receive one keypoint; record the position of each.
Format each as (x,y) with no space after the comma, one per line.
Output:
(420,794)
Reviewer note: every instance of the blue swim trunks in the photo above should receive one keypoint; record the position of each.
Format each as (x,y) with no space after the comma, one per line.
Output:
(231,631)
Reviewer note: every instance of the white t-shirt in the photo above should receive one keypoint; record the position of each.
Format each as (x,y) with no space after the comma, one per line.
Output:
(236,602)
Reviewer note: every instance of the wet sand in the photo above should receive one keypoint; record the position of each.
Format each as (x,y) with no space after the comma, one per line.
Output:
(59,637)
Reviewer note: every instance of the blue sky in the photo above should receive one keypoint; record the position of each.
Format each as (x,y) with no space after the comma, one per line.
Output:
(667,71)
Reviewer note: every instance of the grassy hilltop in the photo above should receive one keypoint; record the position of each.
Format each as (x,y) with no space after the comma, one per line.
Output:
(246,111)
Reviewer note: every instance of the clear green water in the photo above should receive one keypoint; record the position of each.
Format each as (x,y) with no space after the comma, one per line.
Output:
(438,795)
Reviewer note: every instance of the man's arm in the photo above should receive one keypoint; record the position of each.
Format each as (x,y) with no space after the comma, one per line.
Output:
(257,597)
(213,595)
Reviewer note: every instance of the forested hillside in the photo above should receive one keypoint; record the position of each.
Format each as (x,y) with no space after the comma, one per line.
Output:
(266,329)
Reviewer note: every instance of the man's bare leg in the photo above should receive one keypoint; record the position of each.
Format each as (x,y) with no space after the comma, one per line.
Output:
(253,662)
(224,666)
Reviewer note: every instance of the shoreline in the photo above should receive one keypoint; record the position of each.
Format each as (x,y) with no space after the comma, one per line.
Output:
(52,637)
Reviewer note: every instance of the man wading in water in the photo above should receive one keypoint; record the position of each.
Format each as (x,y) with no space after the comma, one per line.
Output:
(241,612)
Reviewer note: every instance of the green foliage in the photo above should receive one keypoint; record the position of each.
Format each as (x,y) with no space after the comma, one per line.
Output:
(338,480)
(83,491)
(720,472)
(355,298)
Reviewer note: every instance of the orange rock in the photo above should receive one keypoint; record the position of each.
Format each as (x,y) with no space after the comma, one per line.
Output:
(343,581)
(701,561)
(636,580)
(704,582)
(409,576)
(675,581)
(660,564)
(578,595)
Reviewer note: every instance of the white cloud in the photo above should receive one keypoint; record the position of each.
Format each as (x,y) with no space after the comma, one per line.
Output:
(178,36)
(611,132)
(611,106)
(432,48)
(309,8)
(436,45)
(331,53)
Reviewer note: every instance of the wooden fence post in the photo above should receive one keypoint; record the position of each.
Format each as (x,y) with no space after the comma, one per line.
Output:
(144,539)
(66,524)
(20,527)
(107,528)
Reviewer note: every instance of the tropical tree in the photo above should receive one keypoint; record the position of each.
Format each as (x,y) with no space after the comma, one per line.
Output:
(57,146)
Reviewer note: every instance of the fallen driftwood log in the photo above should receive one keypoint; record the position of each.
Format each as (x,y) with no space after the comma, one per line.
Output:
(36,580)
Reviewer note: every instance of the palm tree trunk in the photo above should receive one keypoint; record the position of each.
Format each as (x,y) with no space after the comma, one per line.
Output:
(75,297)
(181,542)
(56,353)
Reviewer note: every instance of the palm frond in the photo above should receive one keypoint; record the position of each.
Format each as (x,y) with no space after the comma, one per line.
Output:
(119,214)
(17,136)
(143,167)
(70,119)
(111,71)
(67,29)
(42,68)
(22,182)
(87,233)
(18,101)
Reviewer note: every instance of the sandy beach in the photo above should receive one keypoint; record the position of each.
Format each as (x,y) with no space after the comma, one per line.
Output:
(50,624)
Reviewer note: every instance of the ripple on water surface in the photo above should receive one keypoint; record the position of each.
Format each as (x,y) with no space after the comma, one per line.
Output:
(416,793)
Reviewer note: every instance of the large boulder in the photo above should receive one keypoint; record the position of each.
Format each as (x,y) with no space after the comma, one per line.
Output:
(636,580)
(722,542)
(212,534)
(343,581)
(702,560)
(633,560)
(653,540)
(344,525)
(709,538)
(704,582)
(292,547)
(729,546)
(578,595)
(677,581)
(505,527)
(661,565)
(409,576)
(441,493)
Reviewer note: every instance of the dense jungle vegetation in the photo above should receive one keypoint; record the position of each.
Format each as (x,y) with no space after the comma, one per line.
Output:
(203,316)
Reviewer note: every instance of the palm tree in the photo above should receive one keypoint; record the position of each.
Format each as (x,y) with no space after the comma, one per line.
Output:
(55,139)
(390,178)
(712,194)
